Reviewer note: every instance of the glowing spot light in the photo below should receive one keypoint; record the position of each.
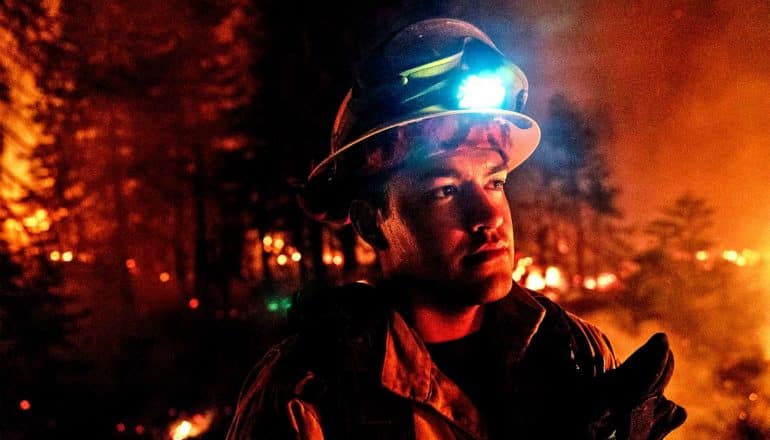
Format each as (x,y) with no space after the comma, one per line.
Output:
(481,91)
(55,256)
(535,281)
(327,258)
(66,256)
(25,405)
(267,241)
(296,256)
(553,277)
(282,259)
(120,427)
(194,427)
(182,431)
(131,263)
(702,255)
(606,280)
(193,303)
(730,255)
(589,283)
(337,260)
(519,273)
(164,277)
(278,243)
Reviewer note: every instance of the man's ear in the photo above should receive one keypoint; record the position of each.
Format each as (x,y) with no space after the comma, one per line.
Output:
(364,218)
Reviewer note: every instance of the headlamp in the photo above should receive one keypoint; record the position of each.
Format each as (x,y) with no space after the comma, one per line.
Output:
(430,70)
(485,90)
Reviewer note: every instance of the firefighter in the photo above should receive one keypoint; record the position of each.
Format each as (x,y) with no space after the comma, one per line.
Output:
(444,345)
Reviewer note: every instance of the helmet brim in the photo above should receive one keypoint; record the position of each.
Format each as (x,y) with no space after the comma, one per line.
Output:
(524,132)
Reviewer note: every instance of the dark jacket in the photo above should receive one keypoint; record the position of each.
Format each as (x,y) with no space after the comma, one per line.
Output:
(355,369)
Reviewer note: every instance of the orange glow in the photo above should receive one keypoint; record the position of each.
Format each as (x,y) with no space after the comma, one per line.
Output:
(66,256)
(606,280)
(267,241)
(753,397)
(182,431)
(55,256)
(296,256)
(38,222)
(278,243)
(553,277)
(337,260)
(131,263)
(164,277)
(25,405)
(730,255)
(120,427)
(327,258)
(190,428)
(282,259)
(752,257)
(193,303)
(702,255)
(535,280)
(518,273)
(589,283)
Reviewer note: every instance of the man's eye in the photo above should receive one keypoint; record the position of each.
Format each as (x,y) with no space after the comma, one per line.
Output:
(442,192)
(498,184)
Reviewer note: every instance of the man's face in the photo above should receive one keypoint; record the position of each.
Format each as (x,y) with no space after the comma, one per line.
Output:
(448,226)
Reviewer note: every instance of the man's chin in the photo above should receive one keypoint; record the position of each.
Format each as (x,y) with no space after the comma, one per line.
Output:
(486,289)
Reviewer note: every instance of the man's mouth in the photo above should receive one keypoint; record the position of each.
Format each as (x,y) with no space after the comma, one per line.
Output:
(487,252)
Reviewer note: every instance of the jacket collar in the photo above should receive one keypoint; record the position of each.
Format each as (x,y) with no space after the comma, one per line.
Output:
(409,372)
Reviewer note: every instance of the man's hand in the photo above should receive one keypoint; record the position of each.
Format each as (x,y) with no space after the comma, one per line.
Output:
(629,402)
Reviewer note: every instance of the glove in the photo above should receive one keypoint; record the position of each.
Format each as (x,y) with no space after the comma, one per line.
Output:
(629,401)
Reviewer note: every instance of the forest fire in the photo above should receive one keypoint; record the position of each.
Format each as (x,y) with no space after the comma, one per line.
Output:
(190,428)
(139,148)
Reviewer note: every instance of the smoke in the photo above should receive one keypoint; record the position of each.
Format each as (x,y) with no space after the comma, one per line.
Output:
(687,85)
(717,408)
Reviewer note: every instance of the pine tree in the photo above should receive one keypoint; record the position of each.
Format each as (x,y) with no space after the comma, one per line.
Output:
(565,203)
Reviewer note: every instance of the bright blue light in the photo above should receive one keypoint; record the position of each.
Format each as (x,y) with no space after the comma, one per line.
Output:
(481,91)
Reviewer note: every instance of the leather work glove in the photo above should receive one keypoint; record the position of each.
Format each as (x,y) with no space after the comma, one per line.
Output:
(629,402)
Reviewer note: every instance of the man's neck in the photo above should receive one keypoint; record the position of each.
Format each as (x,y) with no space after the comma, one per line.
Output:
(439,324)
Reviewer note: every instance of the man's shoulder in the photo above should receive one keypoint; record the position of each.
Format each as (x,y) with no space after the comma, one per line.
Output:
(587,340)
(323,323)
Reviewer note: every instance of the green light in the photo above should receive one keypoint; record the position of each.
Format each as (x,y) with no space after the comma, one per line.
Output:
(272,305)
(481,91)
(286,303)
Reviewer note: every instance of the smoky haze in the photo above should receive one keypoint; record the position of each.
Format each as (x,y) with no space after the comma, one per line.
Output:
(687,87)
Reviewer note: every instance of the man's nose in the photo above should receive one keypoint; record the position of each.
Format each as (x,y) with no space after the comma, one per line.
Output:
(485,211)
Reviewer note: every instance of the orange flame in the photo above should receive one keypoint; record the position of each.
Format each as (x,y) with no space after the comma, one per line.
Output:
(193,427)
